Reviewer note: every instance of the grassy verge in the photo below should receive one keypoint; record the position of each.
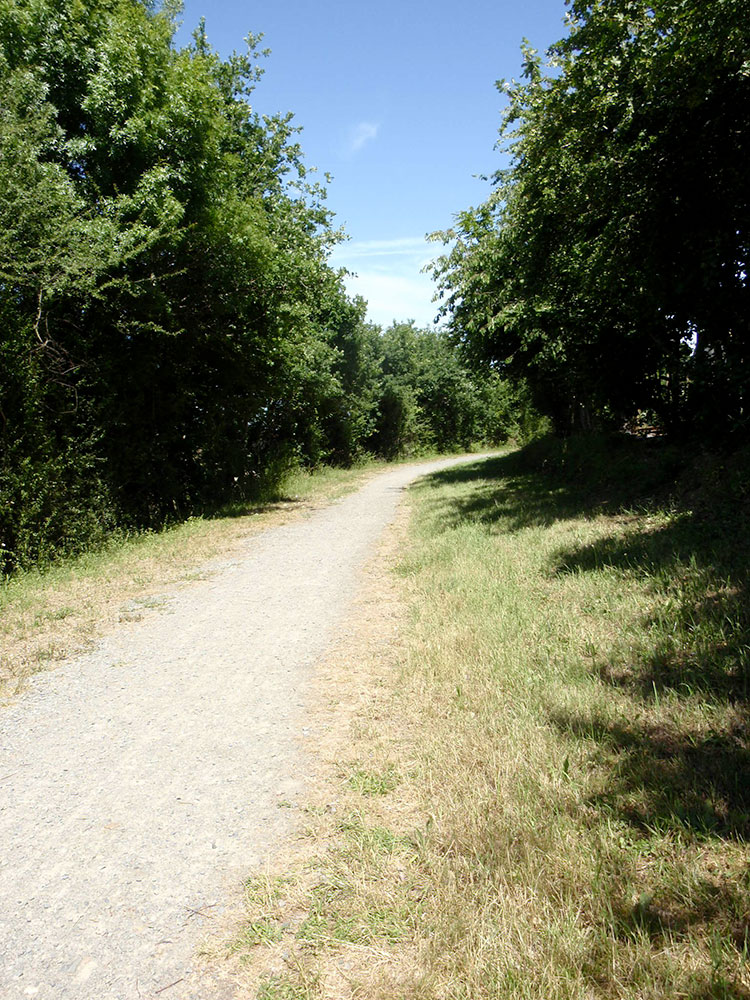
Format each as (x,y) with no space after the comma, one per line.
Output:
(50,614)
(544,787)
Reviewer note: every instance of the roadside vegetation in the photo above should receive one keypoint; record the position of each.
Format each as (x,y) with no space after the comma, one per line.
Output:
(608,267)
(547,788)
(173,335)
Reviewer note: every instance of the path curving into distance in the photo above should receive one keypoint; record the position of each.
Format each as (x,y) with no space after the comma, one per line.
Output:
(140,781)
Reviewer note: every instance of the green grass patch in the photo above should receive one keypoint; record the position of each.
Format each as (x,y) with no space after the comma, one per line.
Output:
(365,839)
(293,986)
(373,782)
(369,926)
(579,664)
(255,932)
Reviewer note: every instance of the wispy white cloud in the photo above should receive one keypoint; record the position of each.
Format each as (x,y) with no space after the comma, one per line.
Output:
(404,247)
(388,273)
(394,297)
(361,134)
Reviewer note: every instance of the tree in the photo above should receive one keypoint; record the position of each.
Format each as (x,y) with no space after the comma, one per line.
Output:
(165,259)
(429,399)
(609,265)
(173,334)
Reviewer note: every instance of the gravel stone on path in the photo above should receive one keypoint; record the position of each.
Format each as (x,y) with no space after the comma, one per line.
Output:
(142,781)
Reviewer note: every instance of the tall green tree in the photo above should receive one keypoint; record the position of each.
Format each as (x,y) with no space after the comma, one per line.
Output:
(173,334)
(164,260)
(609,266)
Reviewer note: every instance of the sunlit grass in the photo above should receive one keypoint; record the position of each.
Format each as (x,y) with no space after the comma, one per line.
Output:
(566,711)
(580,671)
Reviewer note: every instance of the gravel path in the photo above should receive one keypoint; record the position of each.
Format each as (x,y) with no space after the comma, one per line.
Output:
(142,780)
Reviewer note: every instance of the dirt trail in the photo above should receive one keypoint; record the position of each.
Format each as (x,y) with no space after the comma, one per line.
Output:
(139,783)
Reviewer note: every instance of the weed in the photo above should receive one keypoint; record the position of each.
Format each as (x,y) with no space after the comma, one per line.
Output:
(371,839)
(289,987)
(53,615)
(373,782)
(255,932)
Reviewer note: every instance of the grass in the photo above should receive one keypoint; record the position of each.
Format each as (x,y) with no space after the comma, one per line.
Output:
(581,617)
(47,615)
(563,713)
(373,782)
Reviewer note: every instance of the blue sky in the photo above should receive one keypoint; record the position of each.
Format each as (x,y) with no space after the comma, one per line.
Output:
(397,101)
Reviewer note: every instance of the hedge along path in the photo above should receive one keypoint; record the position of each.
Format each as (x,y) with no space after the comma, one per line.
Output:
(141,782)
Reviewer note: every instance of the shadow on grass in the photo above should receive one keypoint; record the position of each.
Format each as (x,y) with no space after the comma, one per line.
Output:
(551,480)
(698,636)
(675,759)
(691,549)
(667,777)
(244,508)
(665,920)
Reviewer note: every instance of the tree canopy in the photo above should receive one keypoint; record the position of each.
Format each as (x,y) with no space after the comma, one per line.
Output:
(609,266)
(174,336)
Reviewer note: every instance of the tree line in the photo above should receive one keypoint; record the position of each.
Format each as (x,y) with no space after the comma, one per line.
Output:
(608,269)
(173,336)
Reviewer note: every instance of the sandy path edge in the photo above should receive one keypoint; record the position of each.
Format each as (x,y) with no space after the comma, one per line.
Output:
(141,781)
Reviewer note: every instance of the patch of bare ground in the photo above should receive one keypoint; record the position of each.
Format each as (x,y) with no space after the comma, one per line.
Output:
(334,915)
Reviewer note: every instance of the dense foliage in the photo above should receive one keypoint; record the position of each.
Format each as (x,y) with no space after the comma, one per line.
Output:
(173,336)
(609,267)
